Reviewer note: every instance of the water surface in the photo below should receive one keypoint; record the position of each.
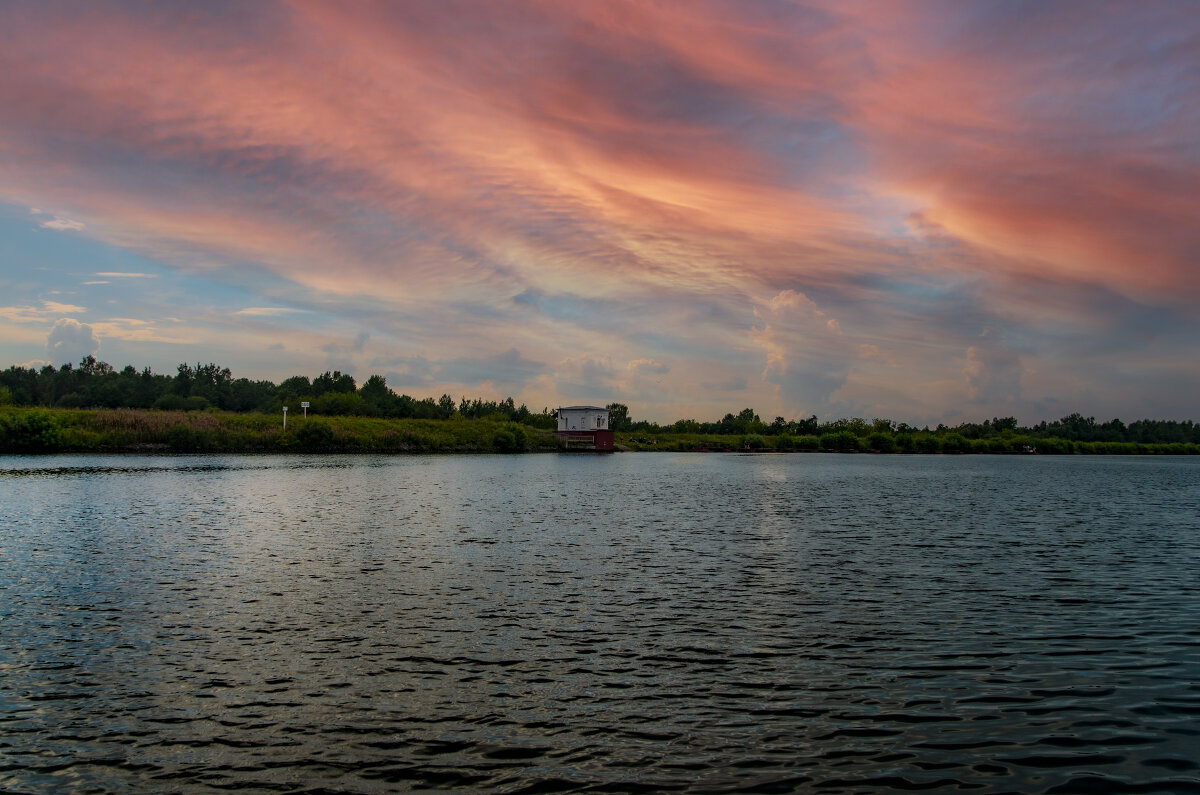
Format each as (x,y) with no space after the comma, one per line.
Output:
(620,623)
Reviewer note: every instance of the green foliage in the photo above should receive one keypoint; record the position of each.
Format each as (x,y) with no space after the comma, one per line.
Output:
(954,443)
(842,441)
(784,442)
(618,417)
(754,442)
(510,439)
(882,442)
(927,443)
(905,443)
(808,442)
(174,402)
(32,431)
(337,404)
(314,435)
(189,439)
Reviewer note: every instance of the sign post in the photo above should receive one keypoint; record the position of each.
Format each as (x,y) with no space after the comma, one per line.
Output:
(304,405)
(285,418)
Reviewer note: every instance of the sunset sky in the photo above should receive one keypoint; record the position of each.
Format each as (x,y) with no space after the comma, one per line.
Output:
(927,211)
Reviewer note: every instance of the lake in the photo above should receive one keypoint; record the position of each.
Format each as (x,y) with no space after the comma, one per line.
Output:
(621,623)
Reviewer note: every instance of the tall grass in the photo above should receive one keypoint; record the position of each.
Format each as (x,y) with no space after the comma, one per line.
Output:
(135,430)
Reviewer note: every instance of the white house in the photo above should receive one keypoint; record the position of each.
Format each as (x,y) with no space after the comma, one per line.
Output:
(583,418)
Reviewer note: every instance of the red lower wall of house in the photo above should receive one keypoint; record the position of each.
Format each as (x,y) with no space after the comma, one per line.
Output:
(600,440)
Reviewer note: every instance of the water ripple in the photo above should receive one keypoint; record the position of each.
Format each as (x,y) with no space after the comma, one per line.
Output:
(613,624)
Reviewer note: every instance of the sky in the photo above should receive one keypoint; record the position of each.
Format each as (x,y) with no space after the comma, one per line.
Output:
(927,211)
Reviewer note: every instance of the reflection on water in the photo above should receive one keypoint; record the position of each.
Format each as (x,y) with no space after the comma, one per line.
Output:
(619,623)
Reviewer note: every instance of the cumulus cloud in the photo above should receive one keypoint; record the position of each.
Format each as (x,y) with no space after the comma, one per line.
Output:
(807,356)
(648,367)
(70,341)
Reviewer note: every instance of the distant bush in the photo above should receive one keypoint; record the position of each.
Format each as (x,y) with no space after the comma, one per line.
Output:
(927,443)
(905,443)
(808,443)
(181,438)
(954,443)
(841,441)
(35,431)
(883,442)
(754,442)
(1054,446)
(784,442)
(173,402)
(314,435)
(510,439)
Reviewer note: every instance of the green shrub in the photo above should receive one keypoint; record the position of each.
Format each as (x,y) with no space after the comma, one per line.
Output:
(954,443)
(36,431)
(173,402)
(1051,446)
(842,441)
(905,443)
(754,442)
(927,443)
(808,443)
(784,442)
(314,435)
(883,442)
(181,438)
(509,439)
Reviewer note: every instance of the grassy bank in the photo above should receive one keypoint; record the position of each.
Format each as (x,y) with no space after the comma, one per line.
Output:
(920,442)
(145,430)
(141,430)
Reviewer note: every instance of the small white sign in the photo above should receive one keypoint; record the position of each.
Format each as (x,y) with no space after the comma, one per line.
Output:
(304,404)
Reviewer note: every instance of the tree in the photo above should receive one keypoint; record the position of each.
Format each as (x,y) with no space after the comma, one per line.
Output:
(618,417)
(337,381)
(808,426)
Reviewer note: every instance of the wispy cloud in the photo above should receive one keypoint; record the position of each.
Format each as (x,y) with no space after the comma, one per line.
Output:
(816,206)
(266,311)
(63,225)
(39,314)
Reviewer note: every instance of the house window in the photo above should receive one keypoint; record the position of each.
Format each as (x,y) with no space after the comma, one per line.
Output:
(599,422)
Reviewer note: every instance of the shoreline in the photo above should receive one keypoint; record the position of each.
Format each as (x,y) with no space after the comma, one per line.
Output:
(151,431)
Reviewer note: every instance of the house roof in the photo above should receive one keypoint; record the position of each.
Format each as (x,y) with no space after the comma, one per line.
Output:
(582,408)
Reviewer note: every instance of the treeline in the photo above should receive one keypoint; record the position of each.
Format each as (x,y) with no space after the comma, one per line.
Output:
(887,435)
(96,384)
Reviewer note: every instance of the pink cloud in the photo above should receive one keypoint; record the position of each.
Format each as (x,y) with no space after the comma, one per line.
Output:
(900,166)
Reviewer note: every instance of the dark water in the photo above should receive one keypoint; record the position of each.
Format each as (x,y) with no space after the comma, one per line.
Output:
(625,623)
